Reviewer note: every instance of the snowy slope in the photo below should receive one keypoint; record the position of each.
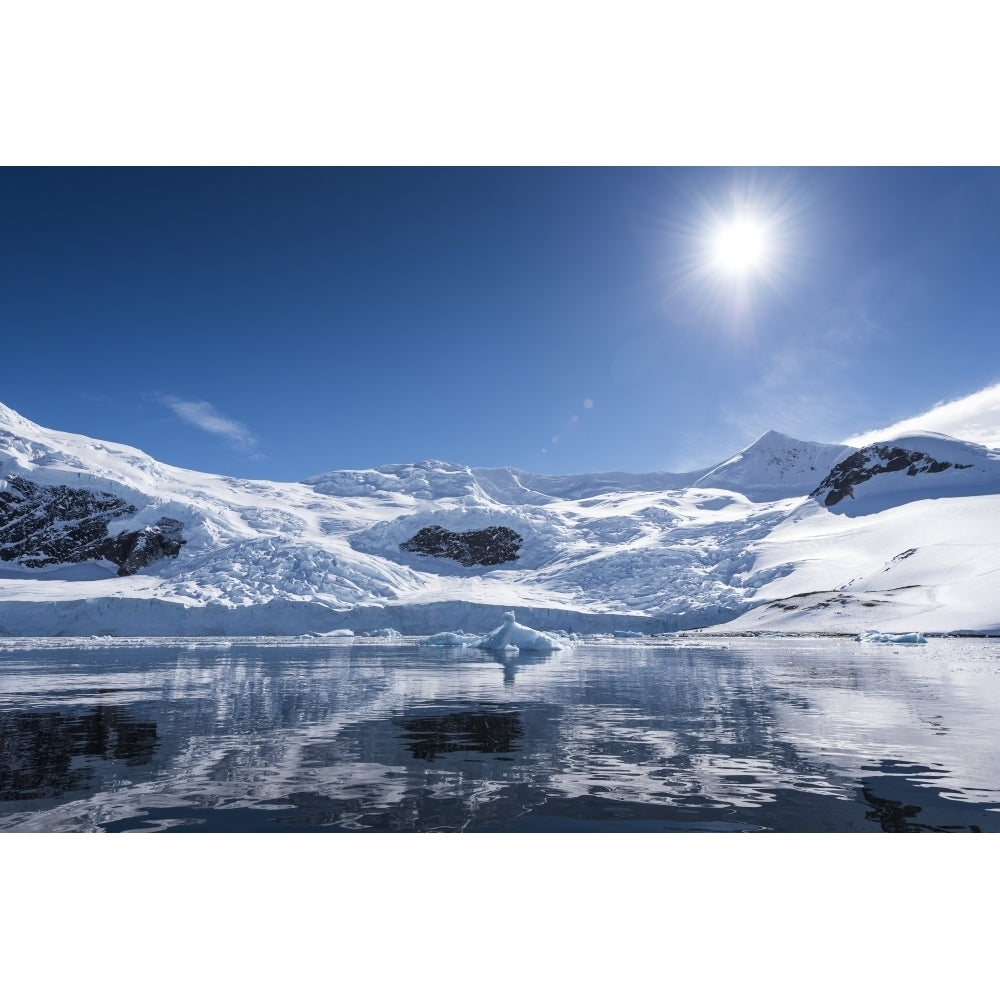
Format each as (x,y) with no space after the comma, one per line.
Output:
(435,480)
(434,546)
(929,565)
(902,535)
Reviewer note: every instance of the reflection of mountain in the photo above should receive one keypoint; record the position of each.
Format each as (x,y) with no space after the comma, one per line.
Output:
(487,731)
(37,749)
(894,816)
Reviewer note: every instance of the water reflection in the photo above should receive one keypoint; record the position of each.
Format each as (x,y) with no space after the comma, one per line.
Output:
(902,800)
(40,751)
(366,735)
(512,660)
(489,731)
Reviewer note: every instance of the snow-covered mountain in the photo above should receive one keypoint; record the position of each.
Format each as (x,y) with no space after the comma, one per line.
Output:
(775,467)
(99,538)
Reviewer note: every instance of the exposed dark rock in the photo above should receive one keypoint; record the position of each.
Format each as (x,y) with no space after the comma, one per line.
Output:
(47,525)
(51,525)
(132,550)
(873,461)
(484,547)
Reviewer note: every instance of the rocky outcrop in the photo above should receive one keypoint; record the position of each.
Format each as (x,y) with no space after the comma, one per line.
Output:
(490,546)
(47,525)
(52,525)
(875,460)
(133,550)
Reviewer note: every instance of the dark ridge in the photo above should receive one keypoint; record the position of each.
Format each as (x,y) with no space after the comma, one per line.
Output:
(874,461)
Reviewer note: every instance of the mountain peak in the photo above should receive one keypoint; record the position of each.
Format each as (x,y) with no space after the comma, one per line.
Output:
(12,419)
(775,466)
(776,439)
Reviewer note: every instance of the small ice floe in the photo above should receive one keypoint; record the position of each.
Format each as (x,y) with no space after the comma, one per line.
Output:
(338,633)
(510,633)
(383,633)
(449,639)
(873,635)
(626,634)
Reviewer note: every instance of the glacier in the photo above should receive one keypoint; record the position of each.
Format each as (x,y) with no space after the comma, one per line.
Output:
(792,536)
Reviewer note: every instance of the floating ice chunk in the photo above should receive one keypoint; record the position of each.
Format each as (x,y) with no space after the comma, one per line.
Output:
(512,634)
(449,639)
(873,635)
(383,633)
(626,634)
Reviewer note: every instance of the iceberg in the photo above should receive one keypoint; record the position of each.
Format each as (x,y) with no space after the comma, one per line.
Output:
(873,635)
(510,633)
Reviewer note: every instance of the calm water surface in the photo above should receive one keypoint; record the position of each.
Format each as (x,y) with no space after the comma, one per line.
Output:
(374,735)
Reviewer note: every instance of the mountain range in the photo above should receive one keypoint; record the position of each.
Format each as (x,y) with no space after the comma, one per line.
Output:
(901,534)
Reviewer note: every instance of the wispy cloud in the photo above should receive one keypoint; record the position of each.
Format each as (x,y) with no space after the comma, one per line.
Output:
(205,417)
(971,418)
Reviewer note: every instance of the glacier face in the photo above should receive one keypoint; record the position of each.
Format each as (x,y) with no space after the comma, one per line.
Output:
(741,544)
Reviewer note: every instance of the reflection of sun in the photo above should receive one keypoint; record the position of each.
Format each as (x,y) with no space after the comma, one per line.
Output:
(740,246)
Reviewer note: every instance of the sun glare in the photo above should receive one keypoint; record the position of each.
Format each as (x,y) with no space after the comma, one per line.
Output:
(734,249)
(740,246)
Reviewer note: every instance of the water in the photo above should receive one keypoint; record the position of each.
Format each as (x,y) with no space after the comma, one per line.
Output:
(374,735)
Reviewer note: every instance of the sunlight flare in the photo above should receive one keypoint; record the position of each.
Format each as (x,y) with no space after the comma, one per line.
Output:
(736,251)
(740,246)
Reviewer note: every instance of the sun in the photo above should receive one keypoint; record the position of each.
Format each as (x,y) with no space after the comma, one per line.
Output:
(740,246)
(735,252)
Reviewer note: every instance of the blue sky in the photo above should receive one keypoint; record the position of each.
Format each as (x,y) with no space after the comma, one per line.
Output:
(279,323)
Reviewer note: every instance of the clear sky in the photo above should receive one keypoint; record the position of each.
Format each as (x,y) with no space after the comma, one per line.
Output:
(280,323)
